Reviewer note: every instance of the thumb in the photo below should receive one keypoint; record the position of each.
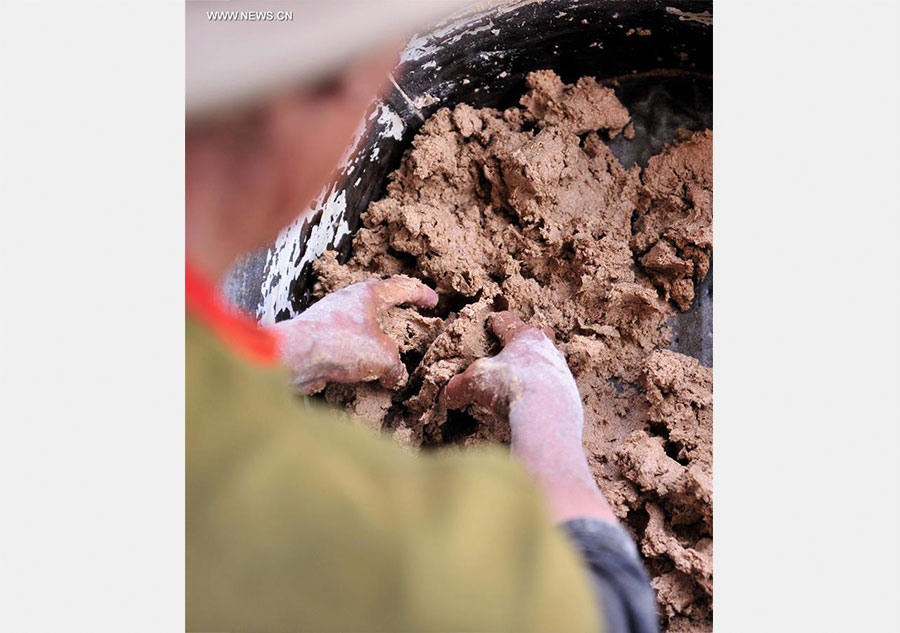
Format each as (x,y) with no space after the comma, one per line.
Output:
(506,326)
(455,394)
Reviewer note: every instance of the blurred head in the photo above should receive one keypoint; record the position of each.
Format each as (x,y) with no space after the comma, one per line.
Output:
(248,176)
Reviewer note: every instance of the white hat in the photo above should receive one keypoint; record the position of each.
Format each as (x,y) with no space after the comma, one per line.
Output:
(238,52)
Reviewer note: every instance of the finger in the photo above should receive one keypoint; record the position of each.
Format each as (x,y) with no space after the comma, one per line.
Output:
(485,384)
(475,385)
(395,376)
(309,387)
(402,289)
(456,393)
(506,326)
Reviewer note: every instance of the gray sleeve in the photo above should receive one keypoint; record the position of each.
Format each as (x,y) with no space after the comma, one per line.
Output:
(623,590)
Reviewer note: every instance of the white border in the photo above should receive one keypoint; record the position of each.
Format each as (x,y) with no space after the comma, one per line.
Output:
(806,357)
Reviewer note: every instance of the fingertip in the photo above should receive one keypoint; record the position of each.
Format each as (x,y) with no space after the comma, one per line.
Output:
(427,297)
(401,289)
(309,388)
(433,297)
(396,375)
(451,394)
(496,320)
(505,325)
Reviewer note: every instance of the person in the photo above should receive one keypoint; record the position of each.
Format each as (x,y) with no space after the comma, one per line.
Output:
(296,520)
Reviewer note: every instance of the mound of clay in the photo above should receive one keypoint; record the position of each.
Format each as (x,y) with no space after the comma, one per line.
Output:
(673,231)
(528,210)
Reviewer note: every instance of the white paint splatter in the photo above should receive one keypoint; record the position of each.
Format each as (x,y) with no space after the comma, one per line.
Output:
(393,124)
(487,27)
(281,268)
(416,48)
(704,18)
(345,163)
(423,101)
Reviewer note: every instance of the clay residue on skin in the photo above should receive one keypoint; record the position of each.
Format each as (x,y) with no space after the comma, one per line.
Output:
(528,210)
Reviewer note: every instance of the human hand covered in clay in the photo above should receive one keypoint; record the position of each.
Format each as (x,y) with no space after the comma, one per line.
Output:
(338,339)
(530,382)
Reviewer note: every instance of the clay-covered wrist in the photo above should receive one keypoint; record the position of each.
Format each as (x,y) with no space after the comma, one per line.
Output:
(548,431)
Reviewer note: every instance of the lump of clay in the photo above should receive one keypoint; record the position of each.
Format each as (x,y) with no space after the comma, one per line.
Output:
(464,340)
(365,404)
(671,472)
(585,107)
(673,232)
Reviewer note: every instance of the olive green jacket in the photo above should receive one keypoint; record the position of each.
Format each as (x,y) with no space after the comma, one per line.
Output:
(297,521)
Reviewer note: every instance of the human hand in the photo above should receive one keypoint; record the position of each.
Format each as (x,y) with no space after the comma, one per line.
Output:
(338,339)
(531,383)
